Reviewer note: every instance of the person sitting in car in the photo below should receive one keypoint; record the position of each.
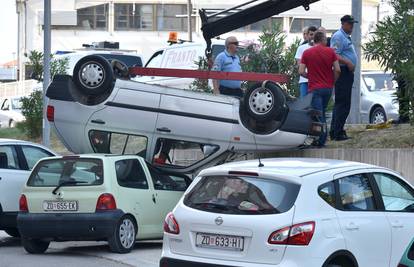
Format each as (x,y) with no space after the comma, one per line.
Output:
(228,61)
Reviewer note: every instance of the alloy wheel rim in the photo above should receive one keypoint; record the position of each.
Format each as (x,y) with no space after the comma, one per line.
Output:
(92,74)
(127,233)
(379,117)
(261,101)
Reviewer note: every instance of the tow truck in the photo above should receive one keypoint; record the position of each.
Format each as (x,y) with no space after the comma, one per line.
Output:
(100,109)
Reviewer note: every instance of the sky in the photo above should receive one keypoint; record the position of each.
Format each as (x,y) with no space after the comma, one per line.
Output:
(8,30)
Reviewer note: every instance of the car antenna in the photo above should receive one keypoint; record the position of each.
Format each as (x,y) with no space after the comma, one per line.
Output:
(260,161)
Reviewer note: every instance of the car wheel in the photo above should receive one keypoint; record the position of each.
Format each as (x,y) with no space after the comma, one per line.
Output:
(12,124)
(378,116)
(12,232)
(35,246)
(93,75)
(265,102)
(123,239)
(340,262)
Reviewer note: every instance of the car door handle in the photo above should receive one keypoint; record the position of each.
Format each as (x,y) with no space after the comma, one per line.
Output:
(164,130)
(351,226)
(153,199)
(397,224)
(98,121)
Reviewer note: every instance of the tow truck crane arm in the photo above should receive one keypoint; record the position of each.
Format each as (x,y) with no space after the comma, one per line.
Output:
(233,18)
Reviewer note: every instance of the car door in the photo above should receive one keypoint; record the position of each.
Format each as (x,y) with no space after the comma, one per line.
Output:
(194,120)
(135,195)
(168,189)
(398,199)
(364,226)
(131,112)
(12,178)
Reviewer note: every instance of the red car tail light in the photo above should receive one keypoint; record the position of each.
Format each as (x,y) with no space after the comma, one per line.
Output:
(50,113)
(23,204)
(171,225)
(106,202)
(298,235)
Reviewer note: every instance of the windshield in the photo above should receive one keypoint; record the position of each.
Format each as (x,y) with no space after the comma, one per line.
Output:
(155,61)
(379,82)
(242,195)
(51,173)
(16,103)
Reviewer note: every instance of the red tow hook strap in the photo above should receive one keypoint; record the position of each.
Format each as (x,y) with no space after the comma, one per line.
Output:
(215,75)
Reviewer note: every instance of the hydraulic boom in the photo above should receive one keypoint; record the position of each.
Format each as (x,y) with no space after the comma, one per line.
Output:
(237,17)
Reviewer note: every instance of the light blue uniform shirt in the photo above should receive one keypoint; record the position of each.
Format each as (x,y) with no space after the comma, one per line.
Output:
(228,63)
(343,46)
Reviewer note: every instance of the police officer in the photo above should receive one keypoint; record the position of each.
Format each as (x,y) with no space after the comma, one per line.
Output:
(345,50)
(228,61)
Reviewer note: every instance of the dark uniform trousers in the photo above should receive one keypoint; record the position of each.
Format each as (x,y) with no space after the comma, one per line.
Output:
(343,94)
(237,92)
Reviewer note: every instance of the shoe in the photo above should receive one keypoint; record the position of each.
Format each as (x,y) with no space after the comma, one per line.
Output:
(341,138)
(331,135)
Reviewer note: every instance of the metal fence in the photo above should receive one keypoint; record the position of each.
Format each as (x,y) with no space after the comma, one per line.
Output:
(18,88)
(400,160)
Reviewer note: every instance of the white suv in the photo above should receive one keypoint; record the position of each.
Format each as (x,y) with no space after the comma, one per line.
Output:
(292,213)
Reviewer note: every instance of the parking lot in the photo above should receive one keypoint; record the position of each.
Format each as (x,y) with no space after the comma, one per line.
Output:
(68,254)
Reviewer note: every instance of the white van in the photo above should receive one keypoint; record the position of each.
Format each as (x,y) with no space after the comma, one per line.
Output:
(178,56)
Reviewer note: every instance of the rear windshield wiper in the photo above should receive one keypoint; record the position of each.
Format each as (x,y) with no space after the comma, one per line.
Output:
(69,182)
(215,206)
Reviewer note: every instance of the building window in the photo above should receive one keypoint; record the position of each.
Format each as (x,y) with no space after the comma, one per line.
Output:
(134,17)
(172,18)
(265,24)
(298,24)
(94,17)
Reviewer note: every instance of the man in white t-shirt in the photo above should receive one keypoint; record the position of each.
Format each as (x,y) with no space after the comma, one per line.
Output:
(303,82)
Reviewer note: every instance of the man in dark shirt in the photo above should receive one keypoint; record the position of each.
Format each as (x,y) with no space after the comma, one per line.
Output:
(320,65)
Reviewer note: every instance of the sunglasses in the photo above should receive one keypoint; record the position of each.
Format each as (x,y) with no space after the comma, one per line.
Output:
(235,43)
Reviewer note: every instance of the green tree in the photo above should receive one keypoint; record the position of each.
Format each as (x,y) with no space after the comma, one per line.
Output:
(273,55)
(392,45)
(32,105)
(201,85)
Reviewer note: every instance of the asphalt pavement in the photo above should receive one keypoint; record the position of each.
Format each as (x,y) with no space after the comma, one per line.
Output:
(77,254)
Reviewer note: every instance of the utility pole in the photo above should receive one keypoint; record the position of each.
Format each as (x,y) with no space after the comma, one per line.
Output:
(355,115)
(190,26)
(46,68)
(21,39)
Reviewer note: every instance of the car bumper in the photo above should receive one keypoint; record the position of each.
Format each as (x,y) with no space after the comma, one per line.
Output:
(202,262)
(8,220)
(69,226)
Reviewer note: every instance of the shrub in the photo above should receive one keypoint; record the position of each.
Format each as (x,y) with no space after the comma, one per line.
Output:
(32,110)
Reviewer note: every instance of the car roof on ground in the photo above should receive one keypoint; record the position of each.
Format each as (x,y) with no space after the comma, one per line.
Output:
(298,167)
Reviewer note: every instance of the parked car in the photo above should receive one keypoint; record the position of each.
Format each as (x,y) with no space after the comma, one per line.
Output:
(96,197)
(408,257)
(11,111)
(378,99)
(291,212)
(182,130)
(178,56)
(17,159)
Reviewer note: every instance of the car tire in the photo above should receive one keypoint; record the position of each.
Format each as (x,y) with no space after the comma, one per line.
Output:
(124,236)
(12,232)
(35,246)
(378,116)
(265,102)
(93,75)
(12,124)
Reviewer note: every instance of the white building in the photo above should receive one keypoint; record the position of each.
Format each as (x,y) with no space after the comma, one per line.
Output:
(143,25)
